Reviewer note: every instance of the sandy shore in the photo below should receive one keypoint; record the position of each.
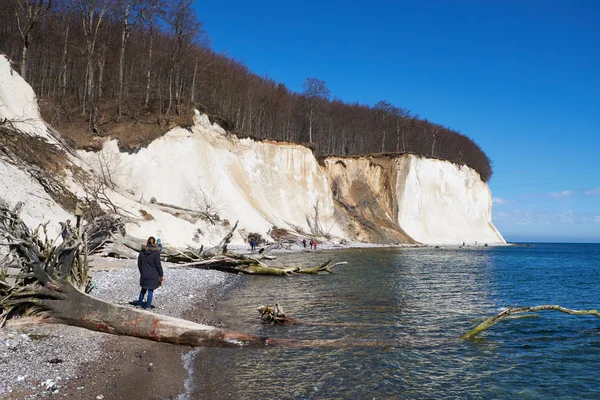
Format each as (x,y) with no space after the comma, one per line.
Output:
(41,361)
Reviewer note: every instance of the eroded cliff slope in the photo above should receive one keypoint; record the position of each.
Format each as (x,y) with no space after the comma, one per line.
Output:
(412,199)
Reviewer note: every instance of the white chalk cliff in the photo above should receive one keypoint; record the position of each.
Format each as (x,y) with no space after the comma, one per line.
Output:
(261,184)
(407,199)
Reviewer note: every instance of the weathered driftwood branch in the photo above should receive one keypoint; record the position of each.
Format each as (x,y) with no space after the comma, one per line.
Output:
(273,315)
(319,268)
(264,252)
(509,312)
(187,213)
(221,247)
(238,264)
(99,232)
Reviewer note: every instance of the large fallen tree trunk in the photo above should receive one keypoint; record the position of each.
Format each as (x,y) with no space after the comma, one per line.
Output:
(60,302)
(63,303)
(509,312)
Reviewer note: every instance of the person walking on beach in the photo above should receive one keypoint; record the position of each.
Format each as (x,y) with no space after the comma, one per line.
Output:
(151,272)
(304,242)
(66,229)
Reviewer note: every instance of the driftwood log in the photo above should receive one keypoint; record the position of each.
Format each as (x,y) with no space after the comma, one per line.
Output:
(99,232)
(509,314)
(273,315)
(320,268)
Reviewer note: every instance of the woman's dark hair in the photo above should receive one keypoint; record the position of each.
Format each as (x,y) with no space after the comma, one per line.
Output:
(151,242)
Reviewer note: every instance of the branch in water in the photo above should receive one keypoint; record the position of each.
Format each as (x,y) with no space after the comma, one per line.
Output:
(505,314)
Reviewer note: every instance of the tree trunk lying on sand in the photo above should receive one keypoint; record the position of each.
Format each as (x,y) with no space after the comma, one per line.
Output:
(506,314)
(63,303)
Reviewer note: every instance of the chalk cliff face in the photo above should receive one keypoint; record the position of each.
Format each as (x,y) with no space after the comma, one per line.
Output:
(262,184)
(411,198)
(19,110)
(18,103)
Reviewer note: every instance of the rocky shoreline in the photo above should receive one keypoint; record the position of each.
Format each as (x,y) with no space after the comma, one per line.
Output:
(47,360)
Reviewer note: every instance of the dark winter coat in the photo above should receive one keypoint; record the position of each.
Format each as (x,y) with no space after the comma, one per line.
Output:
(150,268)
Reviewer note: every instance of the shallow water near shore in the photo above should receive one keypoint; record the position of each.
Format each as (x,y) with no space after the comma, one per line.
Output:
(401,312)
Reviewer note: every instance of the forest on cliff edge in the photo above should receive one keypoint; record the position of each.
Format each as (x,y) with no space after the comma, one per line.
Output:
(148,62)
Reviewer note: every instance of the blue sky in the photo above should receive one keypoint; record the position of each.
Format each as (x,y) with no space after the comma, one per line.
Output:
(521,78)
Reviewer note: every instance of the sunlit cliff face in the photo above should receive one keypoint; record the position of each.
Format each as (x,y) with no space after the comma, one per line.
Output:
(261,184)
(444,203)
(407,199)
(19,110)
(411,198)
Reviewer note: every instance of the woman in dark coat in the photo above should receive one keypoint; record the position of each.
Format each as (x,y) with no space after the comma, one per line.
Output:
(151,273)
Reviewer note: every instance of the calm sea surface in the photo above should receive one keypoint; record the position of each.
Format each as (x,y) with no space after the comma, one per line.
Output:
(402,311)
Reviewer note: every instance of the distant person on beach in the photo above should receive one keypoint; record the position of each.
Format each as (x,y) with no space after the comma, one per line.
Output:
(253,244)
(304,242)
(151,272)
(315,244)
(311,243)
(159,244)
(66,229)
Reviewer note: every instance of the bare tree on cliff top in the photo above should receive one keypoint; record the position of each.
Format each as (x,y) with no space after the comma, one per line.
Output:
(28,14)
(385,112)
(92,12)
(131,13)
(315,91)
(186,31)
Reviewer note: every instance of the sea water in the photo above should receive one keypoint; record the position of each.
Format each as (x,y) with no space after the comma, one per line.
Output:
(401,312)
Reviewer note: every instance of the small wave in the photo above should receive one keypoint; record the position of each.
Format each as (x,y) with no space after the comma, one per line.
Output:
(188,364)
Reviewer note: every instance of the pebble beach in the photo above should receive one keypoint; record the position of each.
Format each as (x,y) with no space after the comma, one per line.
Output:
(60,361)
